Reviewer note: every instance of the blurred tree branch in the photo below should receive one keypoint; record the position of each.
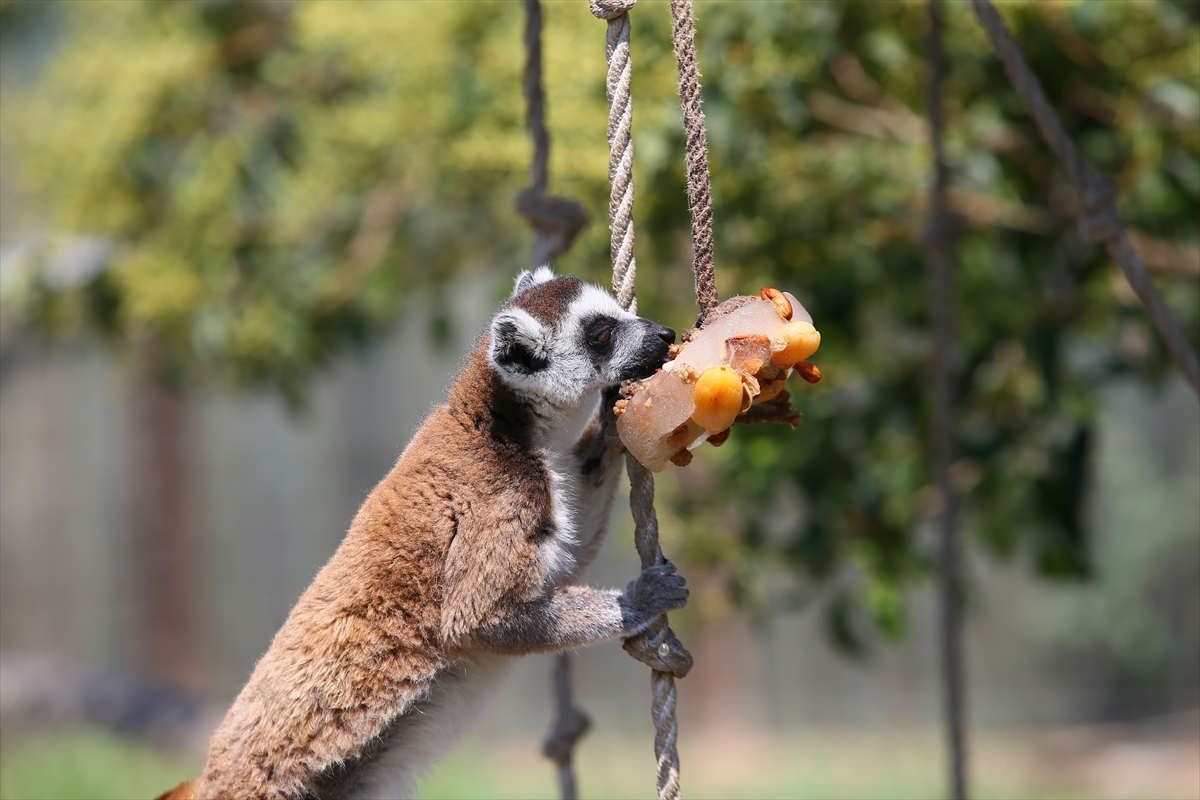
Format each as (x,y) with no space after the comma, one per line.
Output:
(271,188)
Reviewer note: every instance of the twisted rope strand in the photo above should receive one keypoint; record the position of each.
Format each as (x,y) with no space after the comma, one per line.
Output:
(1098,218)
(696,139)
(620,160)
(658,647)
(666,732)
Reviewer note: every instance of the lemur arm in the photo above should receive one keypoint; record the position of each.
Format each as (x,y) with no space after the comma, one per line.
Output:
(597,457)
(495,596)
(573,616)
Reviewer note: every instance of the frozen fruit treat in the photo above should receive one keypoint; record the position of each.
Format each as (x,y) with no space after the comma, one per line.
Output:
(730,370)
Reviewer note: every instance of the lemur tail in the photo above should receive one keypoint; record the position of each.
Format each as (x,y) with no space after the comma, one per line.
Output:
(184,791)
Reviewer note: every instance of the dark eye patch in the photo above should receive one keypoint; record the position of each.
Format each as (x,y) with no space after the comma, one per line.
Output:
(598,334)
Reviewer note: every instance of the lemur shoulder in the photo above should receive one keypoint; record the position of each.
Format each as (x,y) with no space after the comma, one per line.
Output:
(465,553)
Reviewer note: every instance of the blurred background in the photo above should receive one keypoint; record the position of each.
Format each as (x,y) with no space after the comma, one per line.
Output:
(244,247)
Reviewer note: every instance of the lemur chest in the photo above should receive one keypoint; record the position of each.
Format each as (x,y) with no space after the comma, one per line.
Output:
(557,552)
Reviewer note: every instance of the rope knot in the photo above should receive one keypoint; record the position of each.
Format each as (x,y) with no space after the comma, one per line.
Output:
(557,220)
(1098,219)
(610,9)
(568,729)
(658,649)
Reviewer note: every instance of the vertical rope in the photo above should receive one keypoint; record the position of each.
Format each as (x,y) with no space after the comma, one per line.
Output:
(556,221)
(535,98)
(620,147)
(570,724)
(696,145)
(658,646)
(1098,218)
(939,237)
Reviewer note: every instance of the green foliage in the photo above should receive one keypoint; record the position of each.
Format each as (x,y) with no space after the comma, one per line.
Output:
(820,173)
(275,178)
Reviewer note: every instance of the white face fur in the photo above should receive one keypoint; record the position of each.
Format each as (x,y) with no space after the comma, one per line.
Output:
(557,339)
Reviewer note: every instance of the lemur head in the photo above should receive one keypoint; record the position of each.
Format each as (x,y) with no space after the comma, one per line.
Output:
(558,338)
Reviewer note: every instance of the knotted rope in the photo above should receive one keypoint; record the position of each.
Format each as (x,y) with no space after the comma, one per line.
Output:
(556,222)
(657,647)
(1098,218)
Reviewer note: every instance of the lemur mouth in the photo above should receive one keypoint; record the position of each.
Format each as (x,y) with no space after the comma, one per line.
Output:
(667,337)
(657,352)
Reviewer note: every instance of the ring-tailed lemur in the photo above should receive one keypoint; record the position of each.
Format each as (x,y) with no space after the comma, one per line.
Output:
(464,554)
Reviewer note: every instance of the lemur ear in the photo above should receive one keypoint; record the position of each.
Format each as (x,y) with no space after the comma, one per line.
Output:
(518,343)
(529,279)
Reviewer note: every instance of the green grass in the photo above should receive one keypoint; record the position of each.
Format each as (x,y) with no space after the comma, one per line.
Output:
(85,764)
(821,763)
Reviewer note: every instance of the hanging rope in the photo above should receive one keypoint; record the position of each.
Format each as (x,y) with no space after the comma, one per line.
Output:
(1098,218)
(658,646)
(570,724)
(696,145)
(620,147)
(556,222)
(939,242)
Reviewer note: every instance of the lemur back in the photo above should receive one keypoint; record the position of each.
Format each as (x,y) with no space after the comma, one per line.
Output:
(463,554)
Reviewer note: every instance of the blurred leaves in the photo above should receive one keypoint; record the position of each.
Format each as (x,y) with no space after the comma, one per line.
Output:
(820,184)
(273,179)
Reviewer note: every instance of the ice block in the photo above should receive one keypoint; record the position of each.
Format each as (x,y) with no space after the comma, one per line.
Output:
(742,355)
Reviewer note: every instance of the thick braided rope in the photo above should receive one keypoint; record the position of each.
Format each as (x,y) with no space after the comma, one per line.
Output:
(570,724)
(658,646)
(620,148)
(696,141)
(1098,217)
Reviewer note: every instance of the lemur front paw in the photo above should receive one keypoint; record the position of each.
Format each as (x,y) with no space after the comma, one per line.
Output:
(656,591)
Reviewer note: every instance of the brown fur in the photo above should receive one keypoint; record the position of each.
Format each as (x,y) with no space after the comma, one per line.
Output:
(184,791)
(441,561)
(546,302)
(389,610)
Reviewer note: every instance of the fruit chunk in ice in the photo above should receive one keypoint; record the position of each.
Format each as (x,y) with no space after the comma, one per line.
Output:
(745,334)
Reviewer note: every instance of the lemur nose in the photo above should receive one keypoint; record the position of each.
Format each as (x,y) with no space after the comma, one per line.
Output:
(666,334)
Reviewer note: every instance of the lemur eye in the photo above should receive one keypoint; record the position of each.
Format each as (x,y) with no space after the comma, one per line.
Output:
(599,333)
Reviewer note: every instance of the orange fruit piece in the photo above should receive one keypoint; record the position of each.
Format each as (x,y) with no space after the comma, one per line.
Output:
(718,398)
